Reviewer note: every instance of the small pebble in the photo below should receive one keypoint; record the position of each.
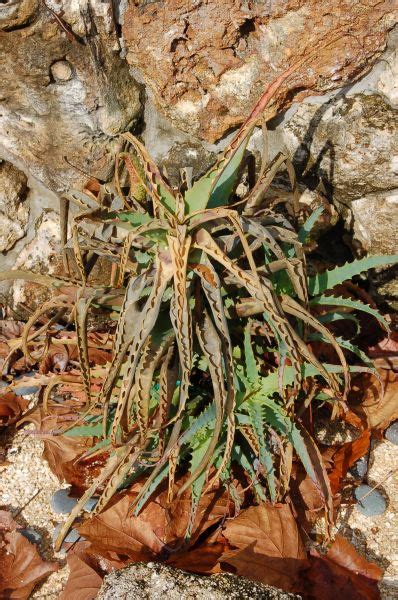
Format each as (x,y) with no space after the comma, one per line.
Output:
(62,503)
(360,468)
(391,433)
(31,534)
(90,504)
(72,537)
(26,390)
(373,505)
(61,71)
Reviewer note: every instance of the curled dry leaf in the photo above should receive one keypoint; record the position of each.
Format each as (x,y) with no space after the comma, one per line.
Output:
(21,567)
(11,408)
(342,573)
(376,410)
(344,457)
(266,546)
(156,530)
(307,501)
(385,353)
(10,330)
(203,559)
(55,360)
(62,452)
(85,576)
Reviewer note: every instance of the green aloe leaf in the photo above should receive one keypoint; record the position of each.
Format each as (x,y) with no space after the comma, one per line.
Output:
(349,303)
(203,195)
(309,224)
(329,279)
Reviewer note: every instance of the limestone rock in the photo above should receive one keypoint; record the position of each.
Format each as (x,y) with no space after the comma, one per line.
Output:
(349,143)
(14,209)
(15,13)
(65,93)
(207,63)
(40,255)
(348,146)
(380,235)
(160,582)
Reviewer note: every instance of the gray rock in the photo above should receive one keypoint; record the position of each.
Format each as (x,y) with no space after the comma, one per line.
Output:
(62,503)
(347,145)
(72,537)
(155,581)
(360,468)
(208,84)
(337,141)
(31,534)
(90,504)
(391,433)
(372,505)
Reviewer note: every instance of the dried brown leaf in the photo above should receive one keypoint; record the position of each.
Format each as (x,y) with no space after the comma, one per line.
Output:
(62,452)
(134,538)
(10,330)
(55,360)
(376,410)
(11,408)
(342,573)
(385,353)
(266,545)
(157,528)
(21,567)
(345,456)
(85,576)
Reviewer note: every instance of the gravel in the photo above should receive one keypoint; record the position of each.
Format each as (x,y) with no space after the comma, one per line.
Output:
(376,537)
(27,486)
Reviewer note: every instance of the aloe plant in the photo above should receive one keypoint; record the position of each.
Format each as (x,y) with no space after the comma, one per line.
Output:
(193,266)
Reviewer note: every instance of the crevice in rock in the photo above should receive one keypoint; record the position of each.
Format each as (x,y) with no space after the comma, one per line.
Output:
(248,27)
(29,21)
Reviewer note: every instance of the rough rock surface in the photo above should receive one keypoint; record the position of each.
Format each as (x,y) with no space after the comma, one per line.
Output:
(14,211)
(340,140)
(208,62)
(157,582)
(41,255)
(348,146)
(65,93)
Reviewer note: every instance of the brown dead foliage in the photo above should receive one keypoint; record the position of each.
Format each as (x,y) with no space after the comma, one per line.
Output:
(375,409)
(11,408)
(21,567)
(342,573)
(64,453)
